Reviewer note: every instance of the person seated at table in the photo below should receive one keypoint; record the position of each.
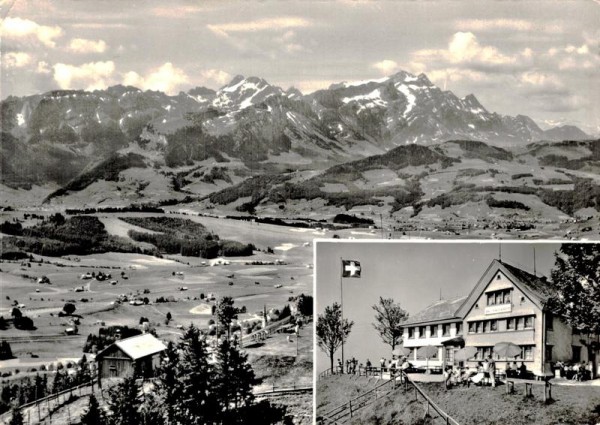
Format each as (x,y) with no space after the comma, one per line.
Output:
(508,370)
(581,372)
(522,371)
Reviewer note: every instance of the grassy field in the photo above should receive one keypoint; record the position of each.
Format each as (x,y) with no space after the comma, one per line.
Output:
(285,272)
(469,406)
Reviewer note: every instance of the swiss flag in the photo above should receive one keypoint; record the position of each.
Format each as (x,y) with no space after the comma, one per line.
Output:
(350,268)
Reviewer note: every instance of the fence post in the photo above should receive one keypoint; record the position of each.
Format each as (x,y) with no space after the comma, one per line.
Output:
(350,404)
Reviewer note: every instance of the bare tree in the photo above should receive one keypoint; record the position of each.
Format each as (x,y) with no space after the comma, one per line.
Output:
(388,321)
(332,330)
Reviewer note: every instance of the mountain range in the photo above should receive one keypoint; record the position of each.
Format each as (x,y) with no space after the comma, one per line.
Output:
(124,145)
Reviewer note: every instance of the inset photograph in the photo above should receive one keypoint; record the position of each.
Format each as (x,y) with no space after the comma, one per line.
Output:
(457,333)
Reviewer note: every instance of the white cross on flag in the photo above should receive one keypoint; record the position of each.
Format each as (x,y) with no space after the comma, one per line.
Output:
(350,268)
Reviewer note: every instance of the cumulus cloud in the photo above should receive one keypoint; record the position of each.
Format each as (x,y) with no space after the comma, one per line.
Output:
(16,59)
(19,29)
(386,66)
(215,75)
(91,76)
(166,78)
(82,45)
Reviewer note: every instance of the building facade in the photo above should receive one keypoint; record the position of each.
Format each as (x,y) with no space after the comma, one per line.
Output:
(122,358)
(506,305)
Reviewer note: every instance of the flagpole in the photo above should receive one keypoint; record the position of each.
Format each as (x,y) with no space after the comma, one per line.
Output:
(342,308)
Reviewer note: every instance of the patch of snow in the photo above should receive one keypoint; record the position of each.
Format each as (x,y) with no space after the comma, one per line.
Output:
(472,126)
(373,99)
(410,98)
(20,120)
(233,88)
(168,107)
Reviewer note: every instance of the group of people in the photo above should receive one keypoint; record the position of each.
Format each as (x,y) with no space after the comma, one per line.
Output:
(578,371)
(485,373)
(351,365)
(515,371)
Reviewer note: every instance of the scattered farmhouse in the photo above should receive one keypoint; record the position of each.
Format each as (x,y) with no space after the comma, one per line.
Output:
(506,305)
(120,359)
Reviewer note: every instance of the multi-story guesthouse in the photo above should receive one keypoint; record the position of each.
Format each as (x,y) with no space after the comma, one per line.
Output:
(506,305)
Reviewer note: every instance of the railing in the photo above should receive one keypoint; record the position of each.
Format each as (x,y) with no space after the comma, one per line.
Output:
(48,404)
(340,412)
(266,331)
(284,390)
(428,402)
(326,373)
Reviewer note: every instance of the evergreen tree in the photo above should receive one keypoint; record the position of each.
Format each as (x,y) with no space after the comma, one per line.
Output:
(168,382)
(576,282)
(234,379)
(151,410)
(226,312)
(5,351)
(60,382)
(124,403)
(94,415)
(332,330)
(197,403)
(17,417)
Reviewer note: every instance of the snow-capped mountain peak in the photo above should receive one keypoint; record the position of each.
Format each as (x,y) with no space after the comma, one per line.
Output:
(243,92)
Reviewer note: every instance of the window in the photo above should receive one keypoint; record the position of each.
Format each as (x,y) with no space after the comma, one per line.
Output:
(493,326)
(421,331)
(510,324)
(446,330)
(526,352)
(485,326)
(434,331)
(528,322)
(459,329)
(499,297)
(479,327)
(549,318)
(472,327)
(520,323)
(411,332)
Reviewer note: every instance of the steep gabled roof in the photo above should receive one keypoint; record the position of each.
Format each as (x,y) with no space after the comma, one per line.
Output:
(138,346)
(535,288)
(438,311)
(538,286)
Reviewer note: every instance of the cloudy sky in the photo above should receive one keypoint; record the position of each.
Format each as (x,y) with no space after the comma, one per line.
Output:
(539,58)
